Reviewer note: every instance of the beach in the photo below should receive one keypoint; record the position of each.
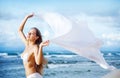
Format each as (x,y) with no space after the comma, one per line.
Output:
(61,65)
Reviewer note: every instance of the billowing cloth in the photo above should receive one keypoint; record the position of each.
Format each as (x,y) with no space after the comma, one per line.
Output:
(75,36)
(35,75)
(113,74)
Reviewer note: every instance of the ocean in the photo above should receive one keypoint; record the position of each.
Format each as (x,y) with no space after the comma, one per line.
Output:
(61,64)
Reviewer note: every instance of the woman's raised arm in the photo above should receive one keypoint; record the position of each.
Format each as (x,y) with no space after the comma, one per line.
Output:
(20,30)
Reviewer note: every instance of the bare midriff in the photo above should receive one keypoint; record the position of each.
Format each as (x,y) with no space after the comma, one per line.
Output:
(29,68)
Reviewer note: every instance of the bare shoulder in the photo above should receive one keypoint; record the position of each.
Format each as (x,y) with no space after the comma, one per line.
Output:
(36,47)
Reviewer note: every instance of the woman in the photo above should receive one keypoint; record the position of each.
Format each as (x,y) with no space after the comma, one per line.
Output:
(32,56)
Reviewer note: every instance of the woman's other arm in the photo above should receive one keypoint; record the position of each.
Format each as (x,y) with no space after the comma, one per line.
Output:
(20,30)
(39,54)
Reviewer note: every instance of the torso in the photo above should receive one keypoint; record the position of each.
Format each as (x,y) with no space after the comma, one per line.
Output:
(29,62)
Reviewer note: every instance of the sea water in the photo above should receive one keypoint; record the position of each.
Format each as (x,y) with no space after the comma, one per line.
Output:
(61,64)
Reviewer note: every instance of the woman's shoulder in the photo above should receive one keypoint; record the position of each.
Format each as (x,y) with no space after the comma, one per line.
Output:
(35,47)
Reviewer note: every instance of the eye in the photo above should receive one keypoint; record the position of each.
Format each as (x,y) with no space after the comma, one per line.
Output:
(29,33)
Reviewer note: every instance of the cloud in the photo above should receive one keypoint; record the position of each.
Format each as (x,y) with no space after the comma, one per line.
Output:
(111,40)
(7,16)
(106,28)
(8,30)
(100,24)
(112,36)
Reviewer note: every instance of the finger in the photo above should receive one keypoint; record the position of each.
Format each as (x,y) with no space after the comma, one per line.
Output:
(47,41)
(33,14)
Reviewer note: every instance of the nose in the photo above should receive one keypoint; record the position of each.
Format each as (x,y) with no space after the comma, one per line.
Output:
(28,36)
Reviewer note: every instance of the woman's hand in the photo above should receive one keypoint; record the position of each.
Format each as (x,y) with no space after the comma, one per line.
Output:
(30,15)
(45,43)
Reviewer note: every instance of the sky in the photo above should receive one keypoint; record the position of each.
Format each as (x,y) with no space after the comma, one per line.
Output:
(103,17)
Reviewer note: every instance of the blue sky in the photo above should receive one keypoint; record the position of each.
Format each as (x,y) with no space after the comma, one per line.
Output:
(102,15)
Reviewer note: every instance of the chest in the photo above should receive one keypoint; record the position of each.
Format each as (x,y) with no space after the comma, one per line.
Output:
(27,54)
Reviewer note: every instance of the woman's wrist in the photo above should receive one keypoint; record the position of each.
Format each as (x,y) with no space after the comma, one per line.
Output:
(26,17)
(40,45)
(29,16)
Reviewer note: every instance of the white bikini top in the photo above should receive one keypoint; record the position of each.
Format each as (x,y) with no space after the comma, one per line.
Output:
(24,57)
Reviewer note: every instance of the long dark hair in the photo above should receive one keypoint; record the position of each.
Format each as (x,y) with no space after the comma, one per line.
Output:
(40,67)
(38,33)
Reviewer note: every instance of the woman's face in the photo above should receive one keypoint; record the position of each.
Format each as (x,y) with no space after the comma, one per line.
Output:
(32,35)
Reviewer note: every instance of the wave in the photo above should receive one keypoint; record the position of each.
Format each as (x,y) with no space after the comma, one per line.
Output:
(62,56)
(118,54)
(3,54)
(8,55)
(58,59)
(112,54)
(56,54)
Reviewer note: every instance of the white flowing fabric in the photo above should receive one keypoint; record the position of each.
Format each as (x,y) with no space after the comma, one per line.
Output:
(77,37)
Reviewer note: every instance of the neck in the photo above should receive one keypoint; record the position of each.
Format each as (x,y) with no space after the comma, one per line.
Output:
(31,43)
